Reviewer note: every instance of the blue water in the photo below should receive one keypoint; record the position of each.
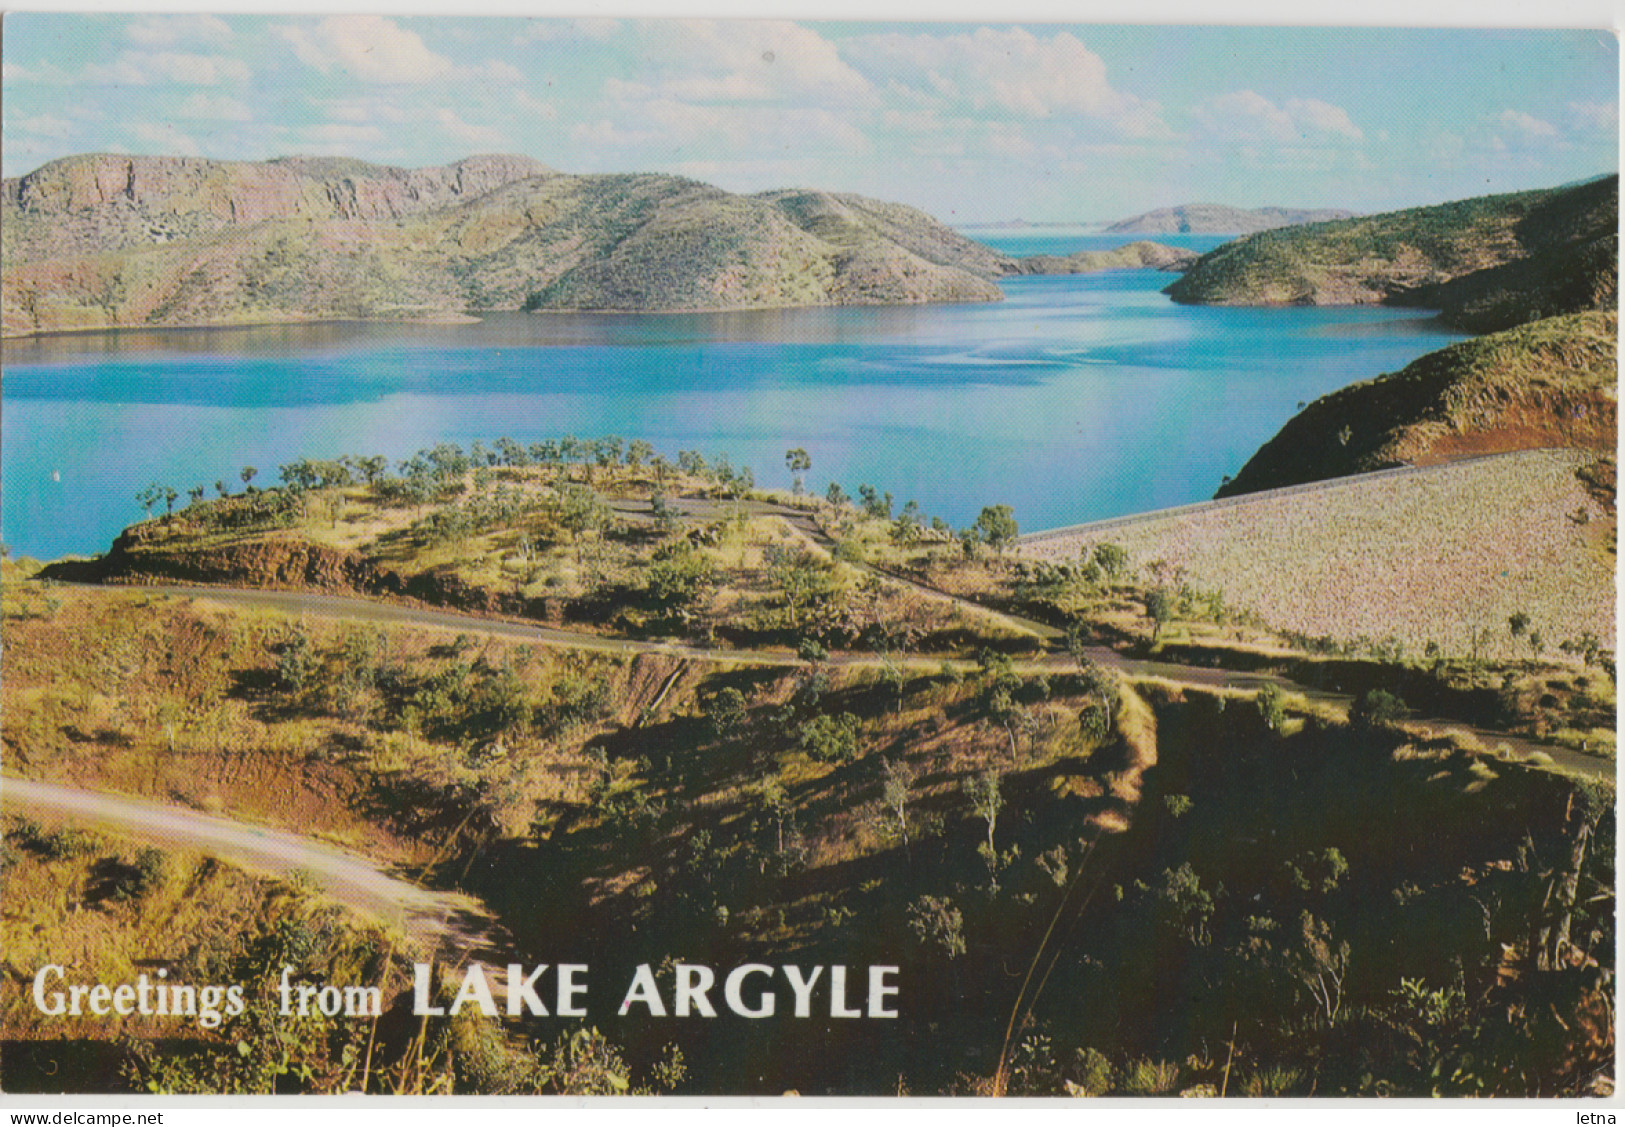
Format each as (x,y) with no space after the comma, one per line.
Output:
(1077,398)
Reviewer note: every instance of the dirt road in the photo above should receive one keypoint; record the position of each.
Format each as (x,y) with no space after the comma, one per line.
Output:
(450,925)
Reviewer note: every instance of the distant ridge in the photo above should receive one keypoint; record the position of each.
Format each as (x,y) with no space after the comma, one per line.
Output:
(1218,219)
(103,241)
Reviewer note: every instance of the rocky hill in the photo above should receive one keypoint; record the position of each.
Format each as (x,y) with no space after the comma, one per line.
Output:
(1218,219)
(1487,263)
(1130,256)
(1552,383)
(101,241)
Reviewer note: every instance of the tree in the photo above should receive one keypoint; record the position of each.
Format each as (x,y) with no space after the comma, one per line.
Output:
(1518,623)
(985,799)
(874,505)
(937,920)
(581,511)
(681,579)
(837,496)
(248,474)
(169,500)
(725,711)
(906,529)
(637,452)
(1377,708)
(372,468)
(1159,606)
(807,585)
(830,739)
(894,788)
(1112,559)
(798,463)
(1271,702)
(997,526)
(194,495)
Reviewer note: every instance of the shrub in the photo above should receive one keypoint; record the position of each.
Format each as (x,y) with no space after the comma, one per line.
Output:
(830,739)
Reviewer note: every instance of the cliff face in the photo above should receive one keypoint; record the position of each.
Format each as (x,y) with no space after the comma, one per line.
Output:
(1486,263)
(1552,383)
(108,241)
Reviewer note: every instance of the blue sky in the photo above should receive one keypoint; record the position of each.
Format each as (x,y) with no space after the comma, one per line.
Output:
(970,121)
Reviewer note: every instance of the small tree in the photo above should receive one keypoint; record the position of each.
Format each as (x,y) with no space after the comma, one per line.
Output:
(725,711)
(895,784)
(1377,708)
(987,801)
(1518,623)
(830,739)
(936,920)
(1271,702)
(248,474)
(798,463)
(837,496)
(1112,559)
(1159,606)
(996,525)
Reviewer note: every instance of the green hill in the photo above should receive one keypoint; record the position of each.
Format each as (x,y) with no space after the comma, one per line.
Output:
(1487,263)
(103,241)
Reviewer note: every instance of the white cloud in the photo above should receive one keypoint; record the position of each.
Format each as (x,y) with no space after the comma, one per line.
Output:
(537,108)
(1525,127)
(45,73)
(1323,117)
(214,108)
(668,123)
(143,68)
(167,139)
(335,134)
(163,31)
(549,30)
(472,134)
(371,48)
(1247,116)
(1011,70)
(1600,116)
(364,110)
(45,125)
(745,60)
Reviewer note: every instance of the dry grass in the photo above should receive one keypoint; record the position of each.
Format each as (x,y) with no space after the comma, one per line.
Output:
(1425,557)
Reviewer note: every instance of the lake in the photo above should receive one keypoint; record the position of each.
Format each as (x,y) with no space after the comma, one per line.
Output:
(1077,398)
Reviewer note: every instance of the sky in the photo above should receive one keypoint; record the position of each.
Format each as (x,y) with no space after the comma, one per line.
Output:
(973,122)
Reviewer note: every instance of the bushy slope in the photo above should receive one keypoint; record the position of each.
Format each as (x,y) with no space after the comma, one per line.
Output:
(105,241)
(1489,262)
(1551,383)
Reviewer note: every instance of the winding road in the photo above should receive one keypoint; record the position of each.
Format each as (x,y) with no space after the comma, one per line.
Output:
(442,923)
(457,927)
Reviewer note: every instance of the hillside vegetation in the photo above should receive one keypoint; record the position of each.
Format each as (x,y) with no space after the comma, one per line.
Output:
(101,241)
(1551,383)
(1486,263)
